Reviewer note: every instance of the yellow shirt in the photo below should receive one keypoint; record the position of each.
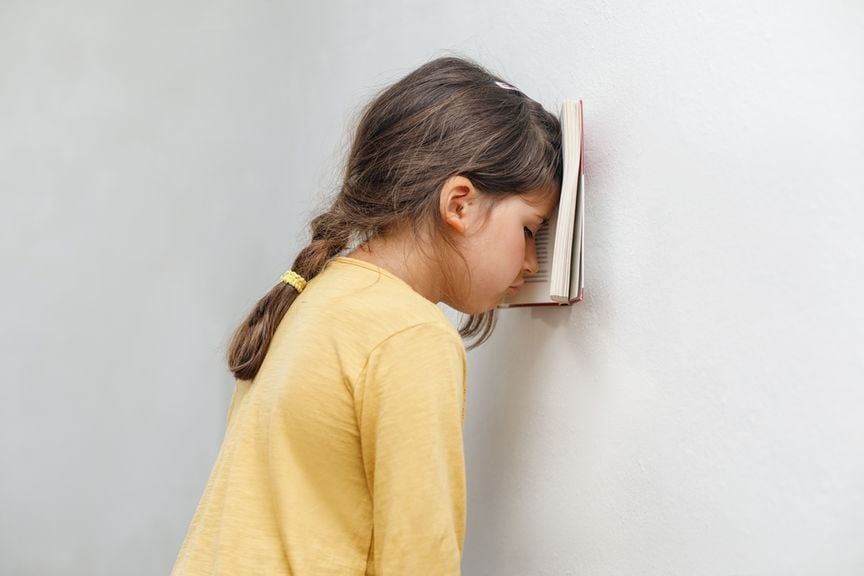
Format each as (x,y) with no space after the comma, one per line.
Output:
(344,455)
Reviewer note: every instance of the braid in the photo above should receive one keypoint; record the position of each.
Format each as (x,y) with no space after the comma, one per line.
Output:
(252,338)
(330,236)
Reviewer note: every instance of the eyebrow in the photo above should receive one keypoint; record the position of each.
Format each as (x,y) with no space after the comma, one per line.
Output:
(549,215)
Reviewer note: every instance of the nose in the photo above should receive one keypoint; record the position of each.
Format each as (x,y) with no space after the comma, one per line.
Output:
(531,266)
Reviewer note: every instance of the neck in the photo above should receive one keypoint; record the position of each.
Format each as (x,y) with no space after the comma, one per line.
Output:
(398,254)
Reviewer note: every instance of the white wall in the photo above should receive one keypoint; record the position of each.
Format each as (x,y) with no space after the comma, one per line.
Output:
(698,414)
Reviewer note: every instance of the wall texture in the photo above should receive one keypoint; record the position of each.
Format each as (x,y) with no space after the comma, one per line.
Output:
(698,414)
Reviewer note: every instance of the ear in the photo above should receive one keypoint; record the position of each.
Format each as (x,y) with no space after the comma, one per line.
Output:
(459,203)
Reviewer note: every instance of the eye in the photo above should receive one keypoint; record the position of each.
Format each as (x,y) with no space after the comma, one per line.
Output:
(528,232)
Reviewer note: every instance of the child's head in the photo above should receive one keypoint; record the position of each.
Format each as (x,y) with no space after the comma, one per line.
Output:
(449,119)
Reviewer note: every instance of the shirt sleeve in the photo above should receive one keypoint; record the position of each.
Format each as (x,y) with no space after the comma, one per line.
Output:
(410,409)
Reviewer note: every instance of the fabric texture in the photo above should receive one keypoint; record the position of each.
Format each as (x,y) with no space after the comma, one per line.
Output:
(344,455)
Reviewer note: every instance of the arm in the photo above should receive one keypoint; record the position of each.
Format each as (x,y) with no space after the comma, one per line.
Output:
(410,412)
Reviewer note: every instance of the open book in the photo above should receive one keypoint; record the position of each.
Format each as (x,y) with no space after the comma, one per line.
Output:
(560,279)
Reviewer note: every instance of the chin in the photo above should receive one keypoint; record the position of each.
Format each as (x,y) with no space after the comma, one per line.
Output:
(486,308)
(478,304)
(472,308)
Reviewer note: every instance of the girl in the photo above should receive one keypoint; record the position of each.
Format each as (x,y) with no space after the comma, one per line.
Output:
(343,452)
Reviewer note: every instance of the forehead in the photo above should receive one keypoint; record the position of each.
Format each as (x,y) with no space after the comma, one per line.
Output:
(543,200)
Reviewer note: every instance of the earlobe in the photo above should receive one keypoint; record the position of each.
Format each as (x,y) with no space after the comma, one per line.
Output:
(456,224)
(457,195)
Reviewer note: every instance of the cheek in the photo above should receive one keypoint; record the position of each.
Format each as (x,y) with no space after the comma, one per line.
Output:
(516,247)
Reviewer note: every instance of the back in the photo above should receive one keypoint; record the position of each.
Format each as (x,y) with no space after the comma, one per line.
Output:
(344,455)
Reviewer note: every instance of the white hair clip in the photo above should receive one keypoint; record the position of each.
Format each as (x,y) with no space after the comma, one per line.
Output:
(506,86)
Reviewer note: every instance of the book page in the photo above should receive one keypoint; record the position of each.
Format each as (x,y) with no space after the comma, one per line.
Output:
(544,243)
(571,151)
(577,276)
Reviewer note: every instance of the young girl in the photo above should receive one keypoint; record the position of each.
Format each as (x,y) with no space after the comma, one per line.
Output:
(343,453)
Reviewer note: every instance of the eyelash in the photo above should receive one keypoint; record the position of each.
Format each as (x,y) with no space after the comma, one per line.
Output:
(528,233)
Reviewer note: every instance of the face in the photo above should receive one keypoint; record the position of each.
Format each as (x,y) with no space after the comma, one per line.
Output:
(498,246)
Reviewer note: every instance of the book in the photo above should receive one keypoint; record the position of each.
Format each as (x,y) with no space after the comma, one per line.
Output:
(560,278)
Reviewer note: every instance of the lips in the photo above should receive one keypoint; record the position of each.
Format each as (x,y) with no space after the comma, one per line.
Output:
(515,288)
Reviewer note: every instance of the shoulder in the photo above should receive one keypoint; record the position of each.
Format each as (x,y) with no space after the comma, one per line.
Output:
(371,301)
(353,316)
(422,368)
(423,340)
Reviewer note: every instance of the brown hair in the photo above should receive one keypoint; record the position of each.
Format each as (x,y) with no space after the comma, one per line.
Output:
(448,117)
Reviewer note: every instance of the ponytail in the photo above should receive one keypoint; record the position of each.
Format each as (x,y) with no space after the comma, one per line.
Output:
(252,338)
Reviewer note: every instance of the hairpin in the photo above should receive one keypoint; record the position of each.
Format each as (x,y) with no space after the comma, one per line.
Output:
(506,86)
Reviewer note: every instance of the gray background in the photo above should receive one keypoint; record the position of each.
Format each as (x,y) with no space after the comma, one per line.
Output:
(698,414)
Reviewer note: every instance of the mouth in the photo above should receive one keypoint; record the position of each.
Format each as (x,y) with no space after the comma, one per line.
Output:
(512,290)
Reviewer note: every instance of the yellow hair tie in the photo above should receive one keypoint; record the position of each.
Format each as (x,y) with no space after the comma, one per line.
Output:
(295,280)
